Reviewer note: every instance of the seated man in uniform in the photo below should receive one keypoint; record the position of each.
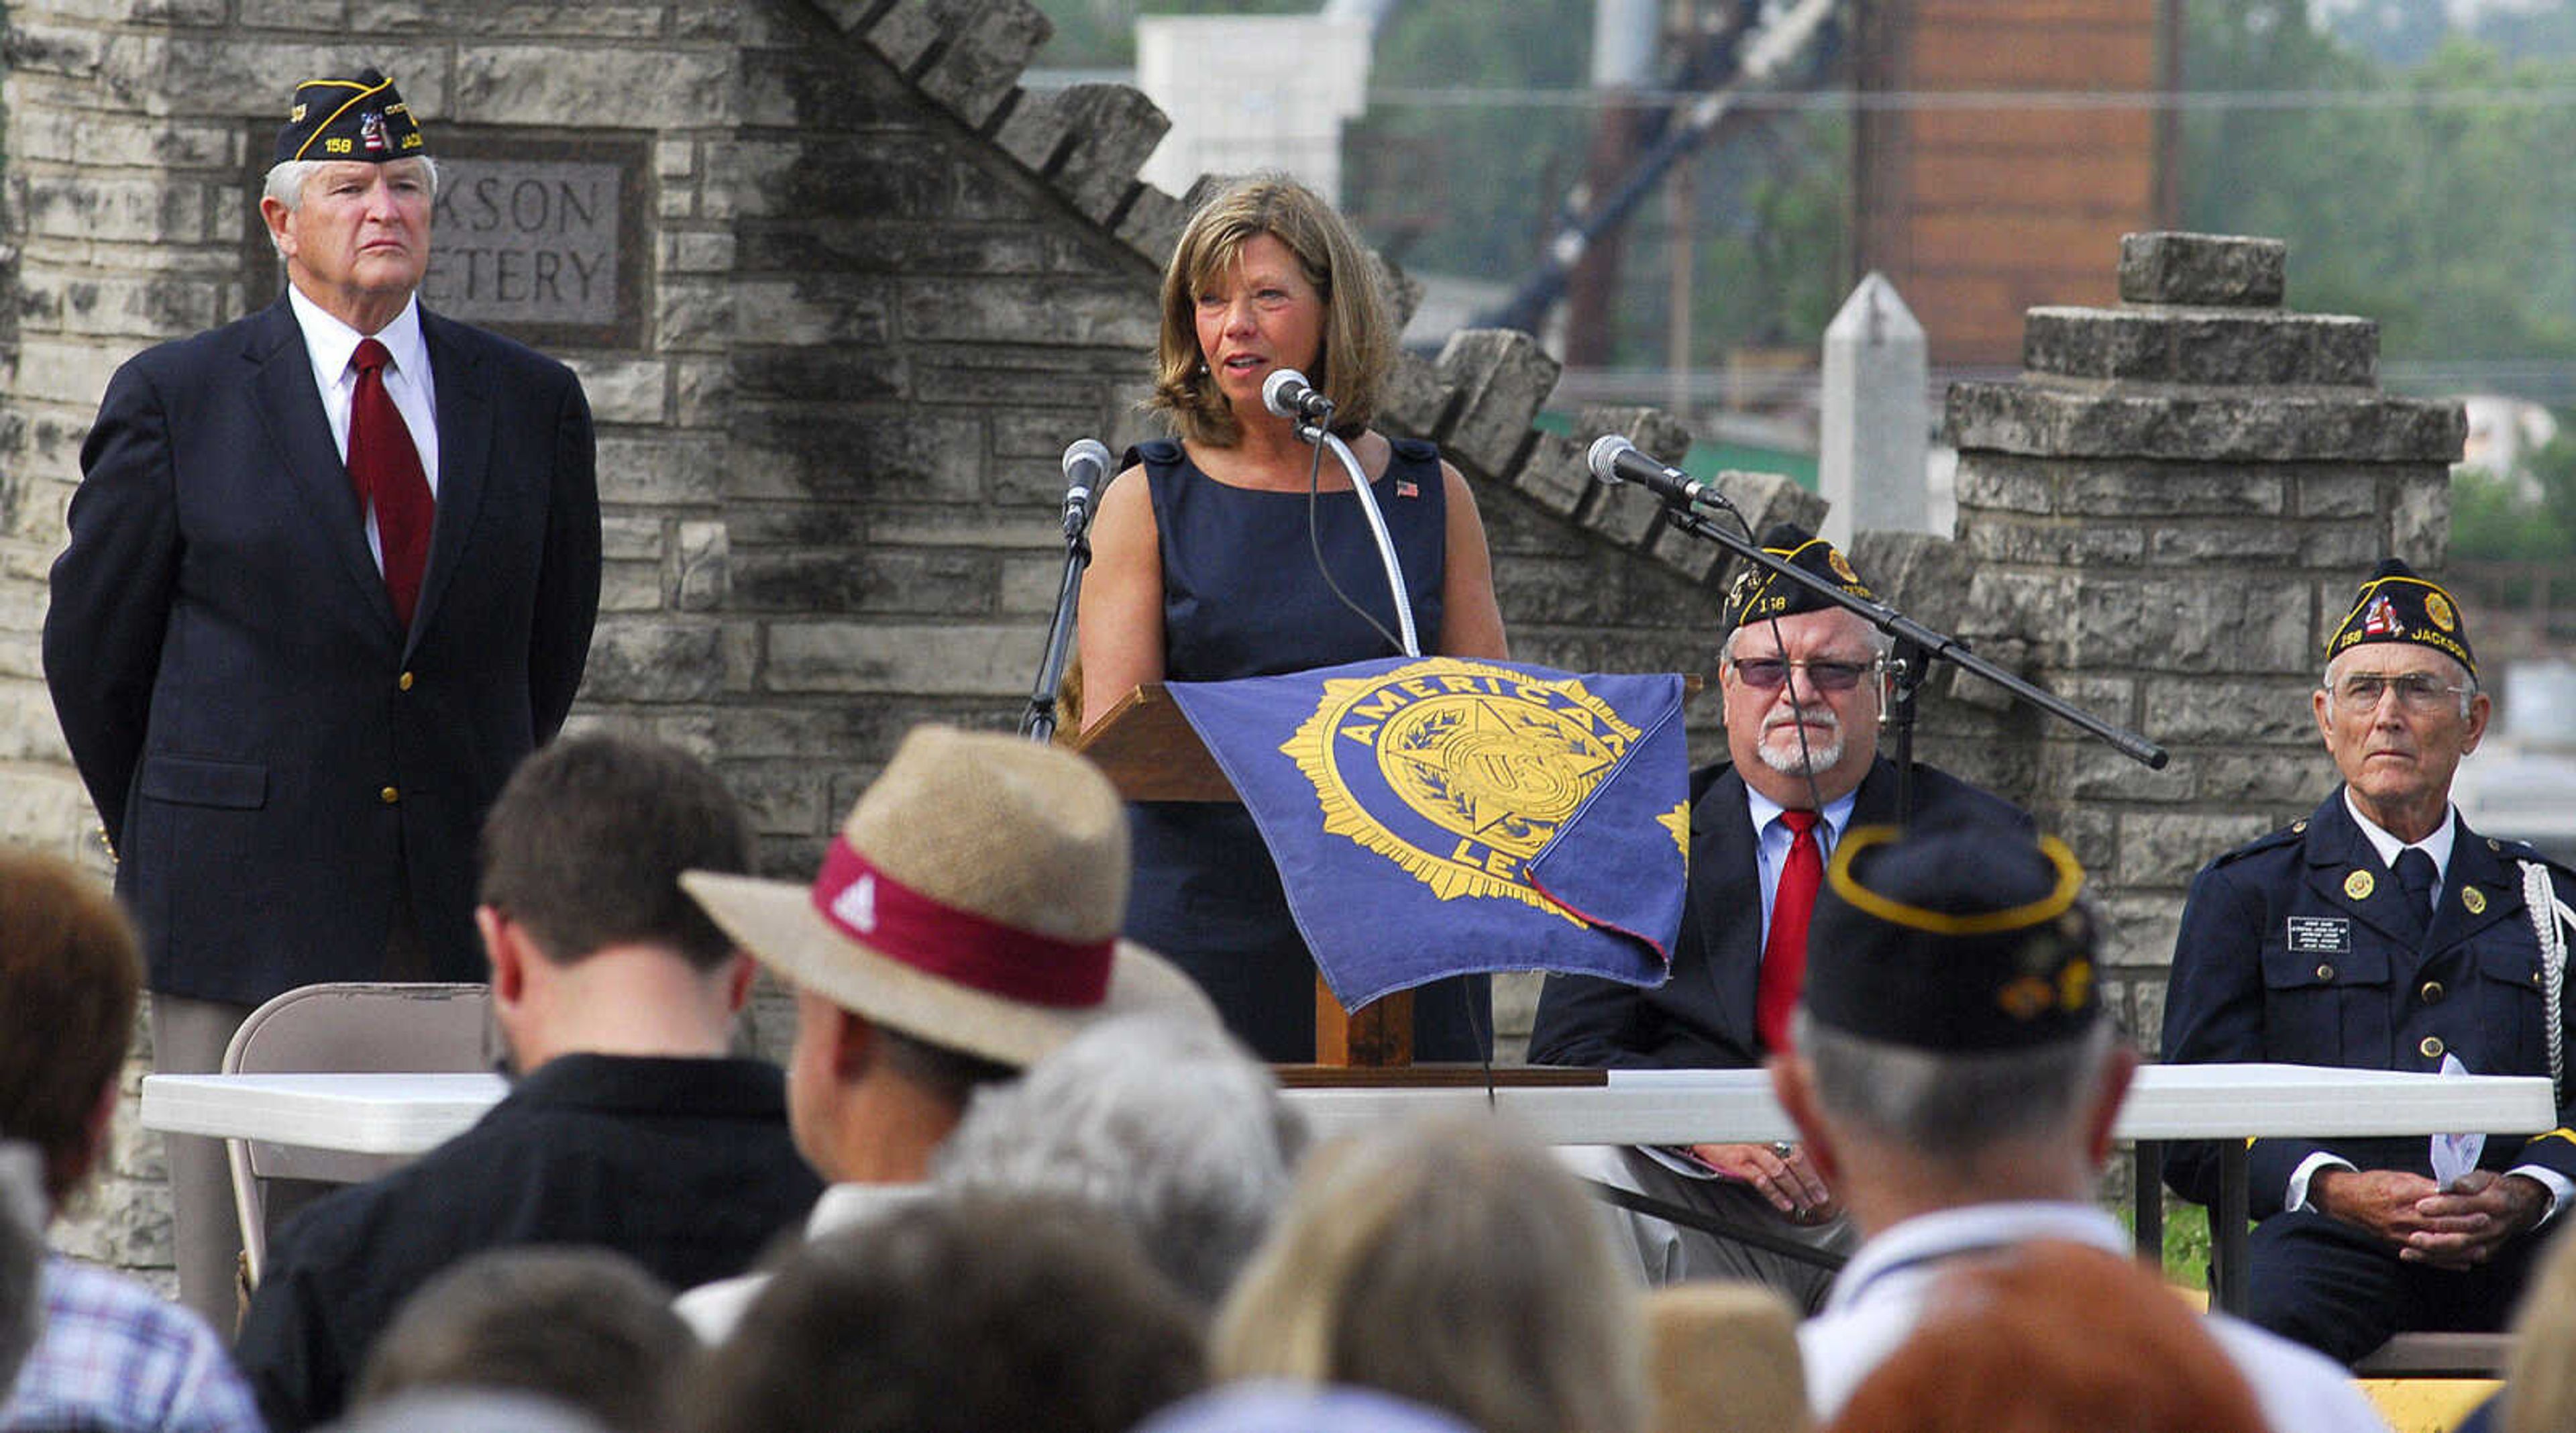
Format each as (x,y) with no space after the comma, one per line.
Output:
(1801,679)
(2381,933)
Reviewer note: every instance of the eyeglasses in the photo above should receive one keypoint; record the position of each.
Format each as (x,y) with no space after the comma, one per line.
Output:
(2416,691)
(1767,674)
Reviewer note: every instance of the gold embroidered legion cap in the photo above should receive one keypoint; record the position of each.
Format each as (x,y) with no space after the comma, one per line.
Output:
(361,119)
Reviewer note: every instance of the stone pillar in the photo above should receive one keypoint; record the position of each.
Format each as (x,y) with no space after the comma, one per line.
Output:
(1877,417)
(2164,517)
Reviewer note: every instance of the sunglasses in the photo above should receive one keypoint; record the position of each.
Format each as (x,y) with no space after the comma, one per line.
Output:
(1767,674)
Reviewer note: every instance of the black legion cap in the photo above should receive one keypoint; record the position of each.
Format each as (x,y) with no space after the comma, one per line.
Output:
(361,119)
(2394,604)
(1958,939)
(1757,595)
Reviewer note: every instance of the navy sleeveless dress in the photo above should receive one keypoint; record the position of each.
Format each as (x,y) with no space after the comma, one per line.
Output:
(1241,598)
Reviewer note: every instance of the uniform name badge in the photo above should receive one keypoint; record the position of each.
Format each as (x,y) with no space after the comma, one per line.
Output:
(2320,935)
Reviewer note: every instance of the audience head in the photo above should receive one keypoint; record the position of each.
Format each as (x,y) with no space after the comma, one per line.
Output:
(957,1315)
(1358,341)
(70,978)
(2054,1338)
(1453,1262)
(587,1328)
(585,846)
(1168,1125)
(22,1256)
(1722,1357)
(969,909)
(1267,1407)
(1951,1020)
(472,1410)
(2540,1378)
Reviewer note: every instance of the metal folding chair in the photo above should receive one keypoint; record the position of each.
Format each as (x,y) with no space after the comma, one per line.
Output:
(346,1027)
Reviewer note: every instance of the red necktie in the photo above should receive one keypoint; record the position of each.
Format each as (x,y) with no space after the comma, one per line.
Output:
(1784,951)
(385,469)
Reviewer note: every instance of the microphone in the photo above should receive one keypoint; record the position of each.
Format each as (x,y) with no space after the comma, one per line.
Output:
(1287,393)
(1615,460)
(1086,471)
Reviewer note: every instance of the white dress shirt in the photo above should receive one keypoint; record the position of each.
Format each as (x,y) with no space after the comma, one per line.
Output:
(1772,839)
(712,1310)
(331,343)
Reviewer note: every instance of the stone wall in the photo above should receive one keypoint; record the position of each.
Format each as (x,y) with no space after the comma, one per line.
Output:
(2164,519)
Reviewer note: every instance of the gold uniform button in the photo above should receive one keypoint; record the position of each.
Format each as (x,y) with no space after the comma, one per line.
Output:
(2325,972)
(389,795)
(2432,992)
(403,682)
(2432,1047)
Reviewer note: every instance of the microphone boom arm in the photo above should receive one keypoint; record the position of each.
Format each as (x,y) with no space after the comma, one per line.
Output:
(1933,644)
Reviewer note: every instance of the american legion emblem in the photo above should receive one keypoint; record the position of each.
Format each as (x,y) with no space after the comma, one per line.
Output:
(1435,816)
(1461,772)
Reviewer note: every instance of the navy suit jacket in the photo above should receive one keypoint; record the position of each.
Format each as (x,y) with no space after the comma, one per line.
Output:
(273,757)
(1702,1016)
(2279,960)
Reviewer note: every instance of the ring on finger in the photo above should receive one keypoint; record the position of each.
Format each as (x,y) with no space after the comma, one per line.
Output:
(1783,1148)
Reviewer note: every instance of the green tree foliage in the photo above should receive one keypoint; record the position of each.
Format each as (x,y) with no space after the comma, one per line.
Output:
(1468,189)
(2450,220)
(2493,522)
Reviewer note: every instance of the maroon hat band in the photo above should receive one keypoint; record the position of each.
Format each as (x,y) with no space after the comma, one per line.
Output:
(931,936)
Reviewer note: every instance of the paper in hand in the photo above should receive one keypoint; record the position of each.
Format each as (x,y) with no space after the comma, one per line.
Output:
(2454,1155)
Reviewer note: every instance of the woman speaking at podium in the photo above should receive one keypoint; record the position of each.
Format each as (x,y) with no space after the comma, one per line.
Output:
(1212,561)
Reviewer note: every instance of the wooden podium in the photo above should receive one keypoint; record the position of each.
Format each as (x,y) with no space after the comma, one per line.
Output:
(1152,753)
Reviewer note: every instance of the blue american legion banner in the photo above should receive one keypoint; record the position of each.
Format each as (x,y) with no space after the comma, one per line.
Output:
(1442,816)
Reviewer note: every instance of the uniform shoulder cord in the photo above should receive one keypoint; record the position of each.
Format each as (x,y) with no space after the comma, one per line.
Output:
(2550,919)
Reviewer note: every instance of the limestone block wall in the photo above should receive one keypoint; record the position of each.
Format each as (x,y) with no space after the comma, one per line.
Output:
(2162,520)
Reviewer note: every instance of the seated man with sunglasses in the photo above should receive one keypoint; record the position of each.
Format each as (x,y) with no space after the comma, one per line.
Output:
(2381,933)
(1802,682)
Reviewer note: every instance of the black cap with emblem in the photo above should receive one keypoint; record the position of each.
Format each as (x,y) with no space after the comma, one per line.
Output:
(2396,604)
(1757,595)
(1958,939)
(361,119)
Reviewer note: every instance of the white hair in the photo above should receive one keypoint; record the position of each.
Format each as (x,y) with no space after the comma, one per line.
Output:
(287,178)
(1170,1126)
(1954,1107)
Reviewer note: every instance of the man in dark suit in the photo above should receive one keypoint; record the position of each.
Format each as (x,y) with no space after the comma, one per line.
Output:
(332,573)
(1802,685)
(2381,933)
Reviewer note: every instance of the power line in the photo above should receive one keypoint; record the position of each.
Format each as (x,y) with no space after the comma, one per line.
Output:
(1845,101)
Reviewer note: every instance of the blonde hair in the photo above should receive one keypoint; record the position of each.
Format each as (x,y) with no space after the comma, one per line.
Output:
(2539,1378)
(1452,1262)
(1359,337)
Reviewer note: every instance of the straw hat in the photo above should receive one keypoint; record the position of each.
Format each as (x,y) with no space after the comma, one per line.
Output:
(972,899)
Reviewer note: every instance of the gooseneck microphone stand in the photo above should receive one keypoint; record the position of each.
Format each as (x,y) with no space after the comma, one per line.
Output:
(1917,647)
(1038,722)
